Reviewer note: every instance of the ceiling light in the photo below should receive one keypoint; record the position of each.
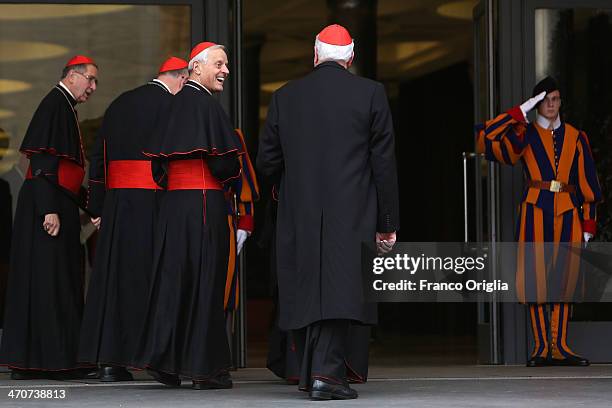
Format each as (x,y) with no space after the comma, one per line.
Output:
(458,9)
(5,114)
(12,51)
(16,12)
(11,85)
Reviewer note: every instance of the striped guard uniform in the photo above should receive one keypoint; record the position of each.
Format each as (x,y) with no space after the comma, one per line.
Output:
(241,213)
(560,153)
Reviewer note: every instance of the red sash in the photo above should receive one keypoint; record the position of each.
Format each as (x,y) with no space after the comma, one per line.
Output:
(69,175)
(130,174)
(191,175)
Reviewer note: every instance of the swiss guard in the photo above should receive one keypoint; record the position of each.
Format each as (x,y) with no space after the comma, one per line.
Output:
(558,205)
(241,194)
(185,325)
(125,192)
(45,289)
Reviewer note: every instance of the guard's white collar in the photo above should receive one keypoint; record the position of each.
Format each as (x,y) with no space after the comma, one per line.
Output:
(545,123)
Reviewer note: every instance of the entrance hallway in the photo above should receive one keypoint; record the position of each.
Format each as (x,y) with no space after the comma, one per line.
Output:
(416,386)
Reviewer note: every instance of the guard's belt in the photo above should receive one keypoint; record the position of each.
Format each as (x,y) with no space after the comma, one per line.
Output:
(553,185)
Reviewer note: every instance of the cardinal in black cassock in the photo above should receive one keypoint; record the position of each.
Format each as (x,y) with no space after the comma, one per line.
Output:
(45,289)
(123,190)
(328,144)
(283,357)
(185,334)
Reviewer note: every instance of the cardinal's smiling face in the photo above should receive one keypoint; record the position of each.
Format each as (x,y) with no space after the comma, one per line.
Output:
(214,72)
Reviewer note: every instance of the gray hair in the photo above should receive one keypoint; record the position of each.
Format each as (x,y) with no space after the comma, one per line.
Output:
(176,72)
(329,52)
(81,68)
(203,56)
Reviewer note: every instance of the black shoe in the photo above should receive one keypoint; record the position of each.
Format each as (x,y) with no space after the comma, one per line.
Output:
(537,362)
(322,390)
(17,374)
(85,373)
(570,360)
(114,373)
(171,380)
(221,382)
(91,374)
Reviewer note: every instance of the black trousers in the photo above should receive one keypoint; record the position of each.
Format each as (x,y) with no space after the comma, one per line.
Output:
(321,349)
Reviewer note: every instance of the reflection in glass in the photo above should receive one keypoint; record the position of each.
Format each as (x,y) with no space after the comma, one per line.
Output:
(127,41)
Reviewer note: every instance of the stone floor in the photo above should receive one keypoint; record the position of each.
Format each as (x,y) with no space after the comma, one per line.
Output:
(415,386)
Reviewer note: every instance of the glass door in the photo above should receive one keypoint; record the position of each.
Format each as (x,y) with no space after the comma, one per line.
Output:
(480,185)
(128,40)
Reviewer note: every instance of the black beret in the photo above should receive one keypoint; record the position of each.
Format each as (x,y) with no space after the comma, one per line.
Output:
(548,84)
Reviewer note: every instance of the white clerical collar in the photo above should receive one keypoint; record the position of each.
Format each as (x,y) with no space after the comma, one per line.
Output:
(197,85)
(162,83)
(545,123)
(66,89)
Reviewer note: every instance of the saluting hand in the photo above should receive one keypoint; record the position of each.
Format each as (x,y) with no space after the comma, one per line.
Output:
(530,103)
(51,224)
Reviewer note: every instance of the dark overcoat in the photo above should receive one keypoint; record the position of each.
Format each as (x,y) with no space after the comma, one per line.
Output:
(328,143)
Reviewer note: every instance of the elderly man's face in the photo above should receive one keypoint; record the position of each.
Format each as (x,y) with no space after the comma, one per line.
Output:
(215,71)
(550,105)
(82,85)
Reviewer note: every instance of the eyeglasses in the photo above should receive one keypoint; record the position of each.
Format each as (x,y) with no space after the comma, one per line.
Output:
(92,79)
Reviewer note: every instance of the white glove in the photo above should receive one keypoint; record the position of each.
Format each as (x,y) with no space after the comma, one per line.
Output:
(529,104)
(241,236)
(587,236)
(96,222)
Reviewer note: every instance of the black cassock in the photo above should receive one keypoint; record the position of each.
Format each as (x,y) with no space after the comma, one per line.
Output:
(283,359)
(124,192)
(185,324)
(328,143)
(45,288)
